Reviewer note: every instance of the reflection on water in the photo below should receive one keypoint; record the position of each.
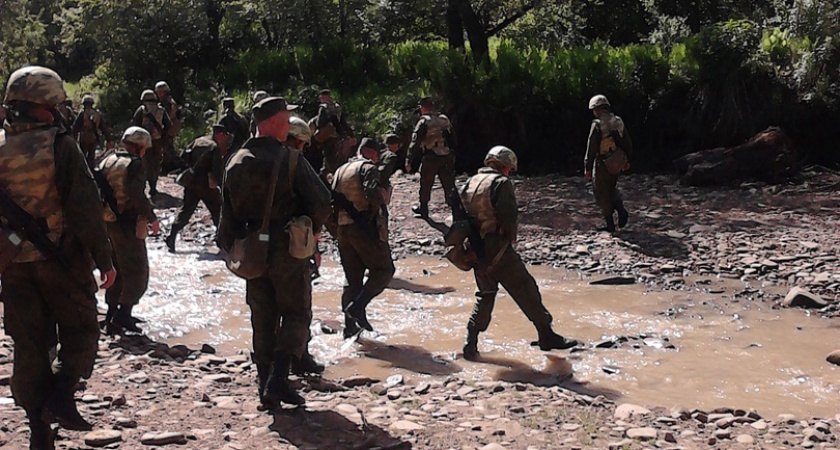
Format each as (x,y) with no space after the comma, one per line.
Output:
(727,354)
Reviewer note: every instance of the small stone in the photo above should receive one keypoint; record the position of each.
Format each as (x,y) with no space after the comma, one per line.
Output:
(759,425)
(165,438)
(613,281)
(834,357)
(394,394)
(101,438)
(125,422)
(669,437)
(493,446)
(571,427)
(422,388)
(217,378)
(406,426)
(628,410)
(118,401)
(626,443)
(800,298)
(643,434)
(205,348)
(394,380)
(465,391)
(723,434)
(358,381)
(90,398)
(789,419)
(745,439)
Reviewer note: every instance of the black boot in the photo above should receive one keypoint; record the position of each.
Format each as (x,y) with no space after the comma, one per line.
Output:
(549,340)
(609,224)
(124,319)
(622,215)
(62,405)
(351,328)
(306,365)
(277,389)
(170,240)
(421,210)
(471,346)
(42,436)
(356,309)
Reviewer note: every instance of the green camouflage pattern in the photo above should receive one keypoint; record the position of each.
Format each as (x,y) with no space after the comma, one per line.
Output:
(27,175)
(348,181)
(115,168)
(137,136)
(35,84)
(434,141)
(477,200)
(503,155)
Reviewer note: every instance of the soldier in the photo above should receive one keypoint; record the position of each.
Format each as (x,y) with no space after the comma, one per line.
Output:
(235,123)
(67,114)
(490,203)
(280,299)
(362,235)
(606,135)
(154,119)
(432,142)
(128,213)
(387,166)
(206,158)
(91,129)
(170,160)
(333,134)
(48,288)
(258,97)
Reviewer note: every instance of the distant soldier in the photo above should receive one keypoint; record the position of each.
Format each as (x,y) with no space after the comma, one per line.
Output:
(281,298)
(206,157)
(387,166)
(432,143)
(154,119)
(91,129)
(235,123)
(170,160)
(490,204)
(333,134)
(128,213)
(608,141)
(258,97)
(362,235)
(67,113)
(45,270)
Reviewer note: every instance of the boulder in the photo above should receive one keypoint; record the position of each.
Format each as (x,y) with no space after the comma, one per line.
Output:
(834,357)
(800,298)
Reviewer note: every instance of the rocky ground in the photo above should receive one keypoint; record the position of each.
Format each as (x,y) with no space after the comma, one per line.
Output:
(147,395)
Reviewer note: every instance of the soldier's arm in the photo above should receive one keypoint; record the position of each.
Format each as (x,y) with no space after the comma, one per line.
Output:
(416,138)
(81,203)
(137,120)
(370,182)
(135,187)
(323,117)
(224,235)
(592,144)
(506,209)
(314,194)
(78,124)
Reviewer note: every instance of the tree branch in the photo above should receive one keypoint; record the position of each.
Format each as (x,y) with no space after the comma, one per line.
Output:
(513,18)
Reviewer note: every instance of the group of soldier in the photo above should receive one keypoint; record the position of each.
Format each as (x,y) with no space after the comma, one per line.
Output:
(269,203)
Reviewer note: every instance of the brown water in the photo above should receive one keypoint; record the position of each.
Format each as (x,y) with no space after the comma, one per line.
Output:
(742,355)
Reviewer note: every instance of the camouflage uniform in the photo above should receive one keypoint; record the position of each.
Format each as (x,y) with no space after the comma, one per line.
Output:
(48,302)
(127,227)
(170,160)
(154,119)
(207,164)
(67,114)
(432,141)
(361,251)
(281,300)
(91,129)
(331,133)
(237,125)
(601,143)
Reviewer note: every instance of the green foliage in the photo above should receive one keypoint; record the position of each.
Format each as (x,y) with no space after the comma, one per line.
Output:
(21,36)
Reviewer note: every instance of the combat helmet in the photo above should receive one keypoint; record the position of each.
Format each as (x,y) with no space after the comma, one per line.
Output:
(504,156)
(260,96)
(87,99)
(300,129)
(162,85)
(137,136)
(148,96)
(598,100)
(35,84)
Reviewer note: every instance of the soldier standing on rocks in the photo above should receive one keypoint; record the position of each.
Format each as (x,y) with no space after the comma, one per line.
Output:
(332,133)
(91,129)
(48,289)
(432,142)
(362,235)
(128,213)
(206,157)
(153,118)
(235,123)
(281,298)
(170,160)
(607,136)
(490,203)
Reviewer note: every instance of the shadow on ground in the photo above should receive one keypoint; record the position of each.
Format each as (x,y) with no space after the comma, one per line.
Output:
(405,285)
(655,244)
(329,430)
(409,357)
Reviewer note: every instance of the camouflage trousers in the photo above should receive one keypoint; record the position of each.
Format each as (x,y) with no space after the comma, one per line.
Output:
(433,166)
(88,143)
(152,163)
(361,252)
(211,198)
(512,274)
(45,306)
(606,193)
(131,262)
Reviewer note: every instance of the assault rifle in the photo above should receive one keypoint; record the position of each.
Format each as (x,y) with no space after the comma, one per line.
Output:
(341,201)
(30,229)
(106,190)
(459,214)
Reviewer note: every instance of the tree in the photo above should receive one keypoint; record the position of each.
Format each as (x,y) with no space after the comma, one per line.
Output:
(481,21)
(22,36)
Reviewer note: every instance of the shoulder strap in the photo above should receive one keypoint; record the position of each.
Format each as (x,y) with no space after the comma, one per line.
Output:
(275,172)
(294,157)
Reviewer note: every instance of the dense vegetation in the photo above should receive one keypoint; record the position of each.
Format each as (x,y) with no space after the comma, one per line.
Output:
(684,75)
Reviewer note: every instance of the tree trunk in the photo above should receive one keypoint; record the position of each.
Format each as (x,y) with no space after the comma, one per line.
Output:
(215,15)
(475,33)
(454,26)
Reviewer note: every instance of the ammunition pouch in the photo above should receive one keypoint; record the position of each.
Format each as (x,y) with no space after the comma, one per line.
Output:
(457,233)
(301,238)
(616,161)
(10,247)
(462,257)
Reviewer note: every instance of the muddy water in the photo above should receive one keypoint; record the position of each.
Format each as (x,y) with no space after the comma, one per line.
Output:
(742,355)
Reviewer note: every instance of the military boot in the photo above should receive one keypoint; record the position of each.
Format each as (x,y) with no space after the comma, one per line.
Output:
(471,346)
(277,389)
(62,405)
(42,436)
(170,240)
(306,365)
(421,210)
(124,319)
(622,215)
(351,328)
(609,224)
(549,340)
(356,309)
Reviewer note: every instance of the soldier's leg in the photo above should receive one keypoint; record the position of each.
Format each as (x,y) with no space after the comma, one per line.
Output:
(151,164)
(133,261)
(376,257)
(482,312)
(447,177)
(618,205)
(260,296)
(89,150)
(428,169)
(187,210)
(604,185)
(113,293)
(213,202)
(354,274)
(292,282)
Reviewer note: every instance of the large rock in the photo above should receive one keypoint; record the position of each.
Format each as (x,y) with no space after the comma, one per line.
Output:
(642,434)
(800,298)
(769,156)
(166,438)
(834,357)
(628,410)
(102,438)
